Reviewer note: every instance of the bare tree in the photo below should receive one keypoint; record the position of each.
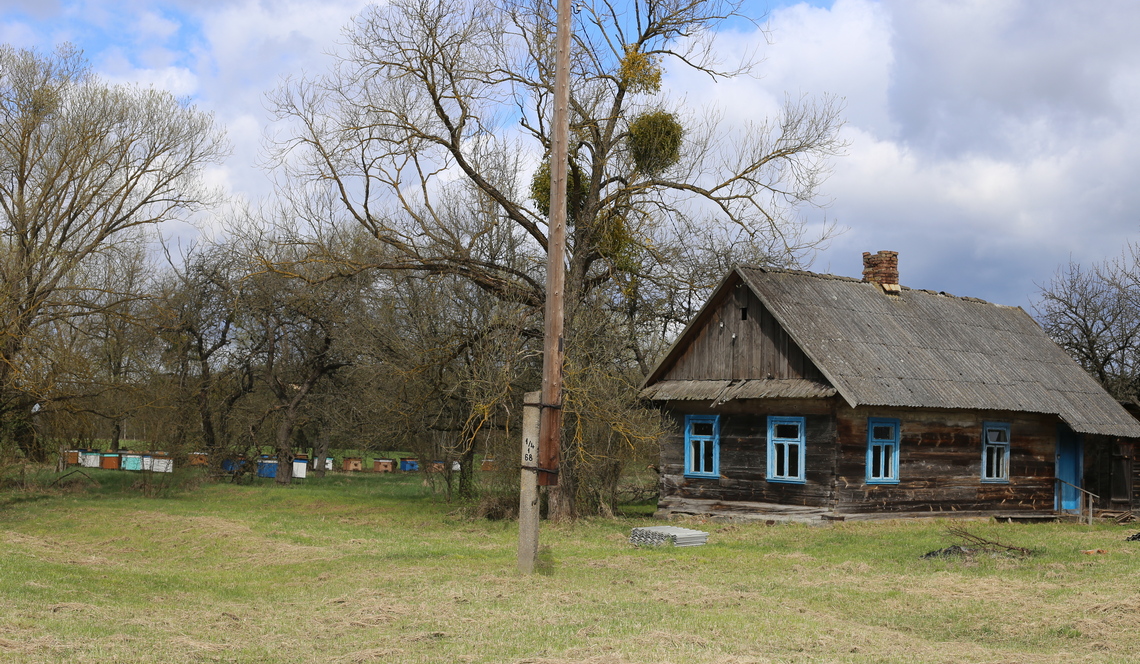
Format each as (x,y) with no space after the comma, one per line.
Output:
(428,131)
(1094,314)
(114,350)
(198,318)
(81,164)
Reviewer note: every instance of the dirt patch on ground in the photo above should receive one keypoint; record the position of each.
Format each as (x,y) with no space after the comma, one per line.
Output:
(367,609)
(186,643)
(372,655)
(31,645)
(35,543)
(1108,620)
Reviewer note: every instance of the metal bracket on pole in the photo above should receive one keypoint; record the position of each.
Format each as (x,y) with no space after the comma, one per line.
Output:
(537,469)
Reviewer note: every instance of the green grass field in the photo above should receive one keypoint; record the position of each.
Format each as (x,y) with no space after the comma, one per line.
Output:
(369,568)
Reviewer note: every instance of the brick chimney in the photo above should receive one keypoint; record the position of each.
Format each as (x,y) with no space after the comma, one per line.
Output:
(882,268)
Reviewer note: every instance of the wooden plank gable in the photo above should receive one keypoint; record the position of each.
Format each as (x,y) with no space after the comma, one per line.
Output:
(738,339)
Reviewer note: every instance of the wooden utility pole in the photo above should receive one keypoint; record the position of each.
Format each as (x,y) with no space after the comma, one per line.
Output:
(528,487)
(550,433)
(542,412)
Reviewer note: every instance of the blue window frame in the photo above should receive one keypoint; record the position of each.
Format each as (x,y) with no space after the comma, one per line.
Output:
(882,450)
(995,452)
(786,449)
(702,446)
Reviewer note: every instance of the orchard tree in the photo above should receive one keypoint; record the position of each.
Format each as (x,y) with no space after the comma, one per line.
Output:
(300,325)
(82,164)
(432,133)
(198,314)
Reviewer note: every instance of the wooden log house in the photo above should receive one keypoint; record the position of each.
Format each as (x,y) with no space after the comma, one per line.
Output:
(812,396)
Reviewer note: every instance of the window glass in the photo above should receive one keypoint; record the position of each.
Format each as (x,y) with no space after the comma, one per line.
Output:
(883,432)
(877,456)
(788,431)
(702,428)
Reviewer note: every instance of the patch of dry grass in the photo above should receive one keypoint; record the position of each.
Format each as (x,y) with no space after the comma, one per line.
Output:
(371,570)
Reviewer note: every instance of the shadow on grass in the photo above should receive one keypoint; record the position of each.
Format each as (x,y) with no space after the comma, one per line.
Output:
(12,500)
(545,564)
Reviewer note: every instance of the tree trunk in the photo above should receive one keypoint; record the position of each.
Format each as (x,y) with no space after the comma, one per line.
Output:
(23,432)
(562,499)
(285,448)
(467,474)
(116,434)
(209,436)
(321,451)
(608,492)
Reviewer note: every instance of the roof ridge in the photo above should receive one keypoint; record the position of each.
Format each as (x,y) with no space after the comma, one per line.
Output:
(838,277)
(805,273)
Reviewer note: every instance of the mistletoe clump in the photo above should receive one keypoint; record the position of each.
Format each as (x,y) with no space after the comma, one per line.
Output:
(655,141)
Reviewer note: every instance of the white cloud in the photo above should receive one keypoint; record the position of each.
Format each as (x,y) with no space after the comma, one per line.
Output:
(151,27)
(18,34)
(970,75)
(990,139)
(844,51)
(179,81)
(247,49)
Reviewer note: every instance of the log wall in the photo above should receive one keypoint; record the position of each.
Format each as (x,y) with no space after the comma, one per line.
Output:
(940,457)
(940,462)
(744,454)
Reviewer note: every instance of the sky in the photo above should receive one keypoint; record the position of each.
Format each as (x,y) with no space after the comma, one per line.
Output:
(990,142)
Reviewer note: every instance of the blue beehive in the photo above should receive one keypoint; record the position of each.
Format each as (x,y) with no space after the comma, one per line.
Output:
(266,466)
(232,465)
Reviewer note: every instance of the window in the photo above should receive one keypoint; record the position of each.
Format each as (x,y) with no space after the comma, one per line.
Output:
(882,451)
(786,449)
(995,452)
(702,445)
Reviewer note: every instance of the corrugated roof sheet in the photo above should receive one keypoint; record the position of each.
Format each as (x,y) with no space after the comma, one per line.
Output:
(933,350)
(727,390)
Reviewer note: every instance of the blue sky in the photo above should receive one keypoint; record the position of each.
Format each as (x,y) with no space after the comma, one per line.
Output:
(990,140)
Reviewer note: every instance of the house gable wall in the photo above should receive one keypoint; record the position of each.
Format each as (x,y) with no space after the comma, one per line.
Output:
(727,347)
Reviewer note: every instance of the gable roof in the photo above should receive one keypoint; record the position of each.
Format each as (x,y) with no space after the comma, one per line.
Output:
(924,349)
